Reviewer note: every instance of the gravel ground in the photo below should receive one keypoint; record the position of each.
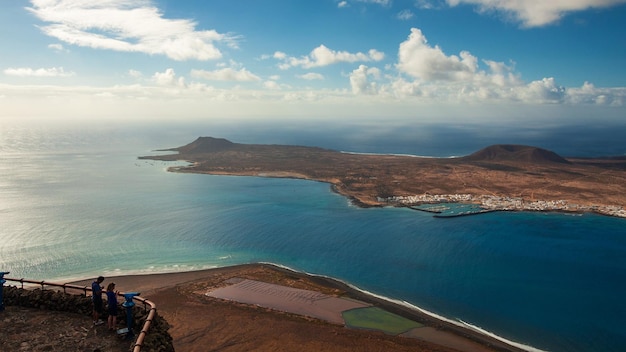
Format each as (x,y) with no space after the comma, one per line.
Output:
(29,329)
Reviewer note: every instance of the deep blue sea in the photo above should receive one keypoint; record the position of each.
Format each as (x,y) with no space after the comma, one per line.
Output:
(76,203)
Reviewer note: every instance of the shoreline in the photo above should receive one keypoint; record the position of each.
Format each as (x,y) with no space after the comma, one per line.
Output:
(489,203)
(496,203)
(417,313)
(150,284)
(498,177)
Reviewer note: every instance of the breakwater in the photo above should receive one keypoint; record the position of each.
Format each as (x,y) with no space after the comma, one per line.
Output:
(450,210)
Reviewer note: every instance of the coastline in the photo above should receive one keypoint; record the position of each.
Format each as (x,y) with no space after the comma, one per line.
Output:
(157,286)
(489,203)
(498,177)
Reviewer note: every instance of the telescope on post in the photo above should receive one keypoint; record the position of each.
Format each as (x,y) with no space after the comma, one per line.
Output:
(128,304)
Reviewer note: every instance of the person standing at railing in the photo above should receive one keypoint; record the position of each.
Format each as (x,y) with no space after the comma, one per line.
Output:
(112,306)
(96,291)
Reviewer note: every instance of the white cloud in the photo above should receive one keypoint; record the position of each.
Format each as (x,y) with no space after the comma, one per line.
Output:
(376,55)
(545,90)
(427,4)
(323,56)
(40,72)
(359,80)
(379,2)
(420,60)
(57,47)
(536,13)
(272,85)
(226,74)
(168,78)
(280,55)
(311,76)
(405,15)
(428,74)
(135,74)
(590,94)
(400,98)
(423,75)
(130,26)
(342,4)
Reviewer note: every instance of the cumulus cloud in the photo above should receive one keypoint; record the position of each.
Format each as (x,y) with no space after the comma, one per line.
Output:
(130,26)
(168,78)
(40,72)
(279,55)
(226,74)
(420,60)
(590,94)
(544,90)
(360,80)
(426,73)
(536,13)
(426,63)
(323,56)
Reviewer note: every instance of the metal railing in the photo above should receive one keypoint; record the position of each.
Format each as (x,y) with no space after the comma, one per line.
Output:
(146,325)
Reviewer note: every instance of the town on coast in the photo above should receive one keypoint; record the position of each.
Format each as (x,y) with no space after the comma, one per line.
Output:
(497,203)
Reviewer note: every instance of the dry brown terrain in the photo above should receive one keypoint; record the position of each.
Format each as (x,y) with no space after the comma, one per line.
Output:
(504,170)
(38,330)
(202,323)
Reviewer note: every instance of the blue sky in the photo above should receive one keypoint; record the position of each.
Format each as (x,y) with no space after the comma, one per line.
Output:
(430,60)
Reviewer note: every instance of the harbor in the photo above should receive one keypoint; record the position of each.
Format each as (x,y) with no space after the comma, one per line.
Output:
(451,210)
(453,205)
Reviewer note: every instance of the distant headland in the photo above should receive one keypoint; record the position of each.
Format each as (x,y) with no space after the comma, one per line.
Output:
(498,177)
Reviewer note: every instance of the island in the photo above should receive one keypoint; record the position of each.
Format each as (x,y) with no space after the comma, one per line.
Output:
(496,178)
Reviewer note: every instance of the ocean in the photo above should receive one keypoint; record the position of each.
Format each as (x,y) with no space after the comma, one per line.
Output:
(75,202)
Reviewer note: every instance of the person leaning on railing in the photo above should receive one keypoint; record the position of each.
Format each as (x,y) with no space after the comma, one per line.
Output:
(98,306)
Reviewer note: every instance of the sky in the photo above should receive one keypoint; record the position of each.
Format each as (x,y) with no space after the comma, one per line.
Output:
(505,61)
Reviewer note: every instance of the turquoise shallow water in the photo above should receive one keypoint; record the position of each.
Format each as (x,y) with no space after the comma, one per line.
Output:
(79,203)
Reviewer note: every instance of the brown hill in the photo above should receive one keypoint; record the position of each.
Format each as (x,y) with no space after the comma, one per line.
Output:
(206,145)
(516,153)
